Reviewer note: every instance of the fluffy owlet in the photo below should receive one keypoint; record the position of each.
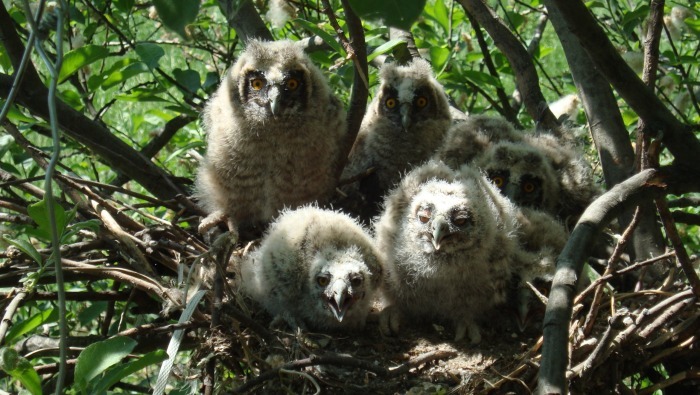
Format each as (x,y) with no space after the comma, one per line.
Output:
(403,126)
(449,242)
(522,173)
(274,133)
(315,269)
(534,169)
(466,140)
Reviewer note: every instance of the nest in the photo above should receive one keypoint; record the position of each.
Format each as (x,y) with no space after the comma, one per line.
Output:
(627,342)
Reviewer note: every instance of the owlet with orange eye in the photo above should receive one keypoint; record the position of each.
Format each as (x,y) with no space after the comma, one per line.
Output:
(449,239)
(275,133)
(403,126)
(315,269)
(523,174)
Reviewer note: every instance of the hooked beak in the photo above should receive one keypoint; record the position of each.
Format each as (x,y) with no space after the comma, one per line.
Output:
(339,300)
(440,231)
(273,97)
(405,112)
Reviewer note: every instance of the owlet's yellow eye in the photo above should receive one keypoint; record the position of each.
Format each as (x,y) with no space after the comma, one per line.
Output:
(421,102)
(292,84)
(322,280)
(498,181)
(390,102)
(257,83)
(528,187)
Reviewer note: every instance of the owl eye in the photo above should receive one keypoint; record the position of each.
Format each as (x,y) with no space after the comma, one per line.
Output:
(421,102)
(498,181)
(424,216)
(292,84)
(356,281)
(390,102)
(257,83)
(528,187)
(322,280)
(460,221)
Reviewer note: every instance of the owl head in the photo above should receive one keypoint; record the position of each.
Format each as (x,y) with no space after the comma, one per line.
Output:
(522,173)
(275,81)
(340,279)
(467,139)
(409,94)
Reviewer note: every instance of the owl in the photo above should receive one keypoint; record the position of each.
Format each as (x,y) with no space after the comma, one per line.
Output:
(466,140)
(275,134)
(403,126)
(315,269)
(522,173)
(533,168)
(577,187)
(449,240)
(541,237)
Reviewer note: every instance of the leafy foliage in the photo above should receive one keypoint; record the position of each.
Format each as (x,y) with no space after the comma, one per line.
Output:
(143,71)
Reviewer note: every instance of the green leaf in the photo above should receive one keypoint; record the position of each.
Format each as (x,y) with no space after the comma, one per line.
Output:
(27,248)
(98,357)
(329,39)
(31,323)
(117,373)
(438,57)
(395,13)
(384,48)
(79,58)
(150,54)
(442,15)
(120,76)
(40,214)
(20,369)
(188,79)
(176,14)
(480,78)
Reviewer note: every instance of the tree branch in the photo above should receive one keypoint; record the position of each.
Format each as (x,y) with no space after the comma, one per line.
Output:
(677,137)
(525,73)
(645,185)
(245,20)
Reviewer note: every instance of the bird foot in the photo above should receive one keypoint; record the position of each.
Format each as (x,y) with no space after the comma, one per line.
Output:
(214,219)
(389,321)
(468,326)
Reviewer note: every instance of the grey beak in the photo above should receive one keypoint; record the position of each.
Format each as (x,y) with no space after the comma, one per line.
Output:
(405,111)
(337,301)
(440,231)
(273,97)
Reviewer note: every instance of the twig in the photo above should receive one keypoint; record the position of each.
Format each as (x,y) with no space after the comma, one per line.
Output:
(339,360)
(677,243)
(619,249)
(9,312)
(676,378)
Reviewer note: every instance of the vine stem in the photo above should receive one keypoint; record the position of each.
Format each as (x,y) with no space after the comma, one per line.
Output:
(54,69)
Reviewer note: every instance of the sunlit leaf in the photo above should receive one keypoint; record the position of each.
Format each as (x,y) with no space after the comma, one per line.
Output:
(327,38)
(78,58)
(397,13)
(20,369)
(26,247)
(31,323)
(40,214)
(439,56)
(98,357)
(384,48)
(114,375)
